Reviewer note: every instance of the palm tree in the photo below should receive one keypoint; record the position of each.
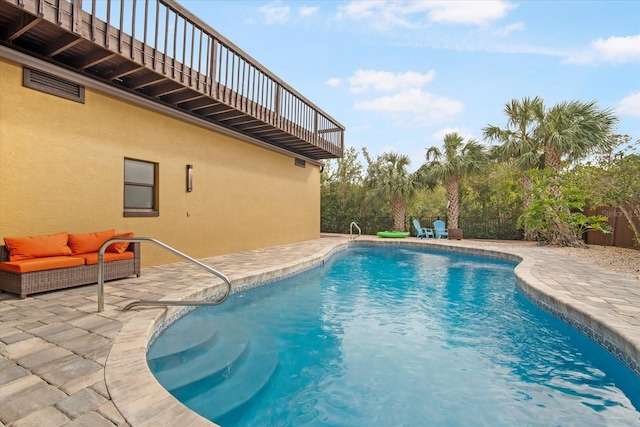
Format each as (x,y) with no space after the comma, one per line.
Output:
(457,161)
(519,144)
(537,138)
(394,183)
(573,130)
(568,131)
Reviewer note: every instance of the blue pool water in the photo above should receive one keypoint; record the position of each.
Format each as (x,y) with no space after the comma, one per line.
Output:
(392,337)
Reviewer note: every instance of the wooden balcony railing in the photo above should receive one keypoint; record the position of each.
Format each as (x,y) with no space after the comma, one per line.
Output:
(192,67)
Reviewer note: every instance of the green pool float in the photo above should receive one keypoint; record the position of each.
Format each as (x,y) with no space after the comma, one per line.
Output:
(393,234)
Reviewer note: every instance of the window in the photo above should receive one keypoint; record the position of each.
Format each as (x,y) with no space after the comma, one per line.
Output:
(140,188)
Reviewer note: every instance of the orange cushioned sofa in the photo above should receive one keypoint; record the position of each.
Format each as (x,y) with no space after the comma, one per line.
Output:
(29,265)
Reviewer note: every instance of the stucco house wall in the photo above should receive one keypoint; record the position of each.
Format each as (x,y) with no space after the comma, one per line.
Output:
(62,169)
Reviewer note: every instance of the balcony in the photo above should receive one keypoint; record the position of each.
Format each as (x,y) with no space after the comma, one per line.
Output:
(160,51)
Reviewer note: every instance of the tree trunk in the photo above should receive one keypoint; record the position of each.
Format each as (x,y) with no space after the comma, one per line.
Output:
(399,211)
(635,211)
(527,197)
(453,196)
(552,158)
(562,234)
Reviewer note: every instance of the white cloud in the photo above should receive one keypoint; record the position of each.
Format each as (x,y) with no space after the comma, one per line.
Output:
(335,82)
(579,58)
(413,106)
(359,10)
(618,50)
(274,14)
(385,81)
(406,102)
(307,10)
(385,13)
(629,106)
(380,14)
(507,29)
(468,12)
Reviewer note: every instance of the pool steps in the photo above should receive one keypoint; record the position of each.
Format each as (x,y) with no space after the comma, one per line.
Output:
(171,351)
(187,366)
(216,384)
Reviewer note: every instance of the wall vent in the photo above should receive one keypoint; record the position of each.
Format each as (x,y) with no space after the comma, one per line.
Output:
(301,163)
(53,85)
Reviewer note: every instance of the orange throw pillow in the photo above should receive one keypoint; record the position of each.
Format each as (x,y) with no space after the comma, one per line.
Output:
(89,242)
(21,248)
(119,247)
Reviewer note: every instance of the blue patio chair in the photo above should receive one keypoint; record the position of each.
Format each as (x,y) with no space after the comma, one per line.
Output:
(440,228)
(423,232)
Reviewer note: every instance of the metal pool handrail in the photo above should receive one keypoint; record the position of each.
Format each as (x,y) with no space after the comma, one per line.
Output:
(353,223)
(155,303)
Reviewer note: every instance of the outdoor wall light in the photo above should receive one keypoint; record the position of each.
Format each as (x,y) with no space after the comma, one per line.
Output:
(189,178)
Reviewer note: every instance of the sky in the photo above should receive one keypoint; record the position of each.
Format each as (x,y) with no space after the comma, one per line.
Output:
(399,75)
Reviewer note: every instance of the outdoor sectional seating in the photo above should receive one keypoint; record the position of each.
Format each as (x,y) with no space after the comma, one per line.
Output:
(29,265)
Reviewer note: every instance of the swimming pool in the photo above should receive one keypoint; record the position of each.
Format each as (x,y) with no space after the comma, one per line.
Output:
(392,336)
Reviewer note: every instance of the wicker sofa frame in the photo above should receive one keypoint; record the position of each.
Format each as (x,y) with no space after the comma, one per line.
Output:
(25,284)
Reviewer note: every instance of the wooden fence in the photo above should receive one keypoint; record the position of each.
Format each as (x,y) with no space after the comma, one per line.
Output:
(622,235)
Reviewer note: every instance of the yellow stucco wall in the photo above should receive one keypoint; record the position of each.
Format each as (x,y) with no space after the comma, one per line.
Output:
(61,169)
